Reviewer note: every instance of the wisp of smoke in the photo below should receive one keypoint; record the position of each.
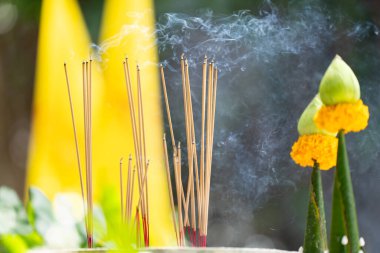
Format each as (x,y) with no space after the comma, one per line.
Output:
(237,40)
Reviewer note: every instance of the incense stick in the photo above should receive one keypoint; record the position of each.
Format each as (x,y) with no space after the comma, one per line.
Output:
(86,70)
(208,140)
(141,203)
(132,190)
(187,128)
(144,181)
(128,204)
(136,140)
(202,165)
(121,191)
(191,151)
(143,156)
(142,126)
(76,144)
(180,189)
(211,122)
(194,161)
(167,106)
(132,112)
(90,140)
(170,189)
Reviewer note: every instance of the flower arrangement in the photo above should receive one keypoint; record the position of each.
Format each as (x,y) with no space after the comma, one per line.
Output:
(314,148)
(336,110)
(344,112)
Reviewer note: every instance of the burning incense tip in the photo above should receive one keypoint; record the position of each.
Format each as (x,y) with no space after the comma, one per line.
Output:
(130,156)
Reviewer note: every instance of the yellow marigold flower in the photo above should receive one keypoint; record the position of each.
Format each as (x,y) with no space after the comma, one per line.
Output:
(350,117)
(312,148)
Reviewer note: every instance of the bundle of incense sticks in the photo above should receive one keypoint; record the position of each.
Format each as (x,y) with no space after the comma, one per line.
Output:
(197,220)
(196,197)
(141,217)
(88,201)
(141,163)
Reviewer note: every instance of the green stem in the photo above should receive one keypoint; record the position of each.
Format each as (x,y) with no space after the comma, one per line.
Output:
(315,235)
(344,221)
(337,230)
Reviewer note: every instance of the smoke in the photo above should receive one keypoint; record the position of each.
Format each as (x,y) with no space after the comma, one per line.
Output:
(237,40)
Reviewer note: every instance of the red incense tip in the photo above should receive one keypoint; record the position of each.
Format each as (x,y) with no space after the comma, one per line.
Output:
(202,241)
(194,241)
(89,242)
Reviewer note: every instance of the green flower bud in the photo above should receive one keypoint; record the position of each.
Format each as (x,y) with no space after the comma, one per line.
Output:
(339,84)
(306,123)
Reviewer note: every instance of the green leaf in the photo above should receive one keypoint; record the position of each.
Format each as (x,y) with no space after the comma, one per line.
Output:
(315,234)
(118,235)
(9,198)
(11,243)
(339,84)
(40,211)
(13,218)
(337,230)
(33,239)
(344,210)
(100,226)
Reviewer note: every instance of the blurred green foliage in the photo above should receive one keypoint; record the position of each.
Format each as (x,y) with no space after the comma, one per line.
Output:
(24,228)
(17,232)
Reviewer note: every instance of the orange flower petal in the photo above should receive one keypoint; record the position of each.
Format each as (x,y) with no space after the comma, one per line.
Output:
(312,148)
(350,117)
